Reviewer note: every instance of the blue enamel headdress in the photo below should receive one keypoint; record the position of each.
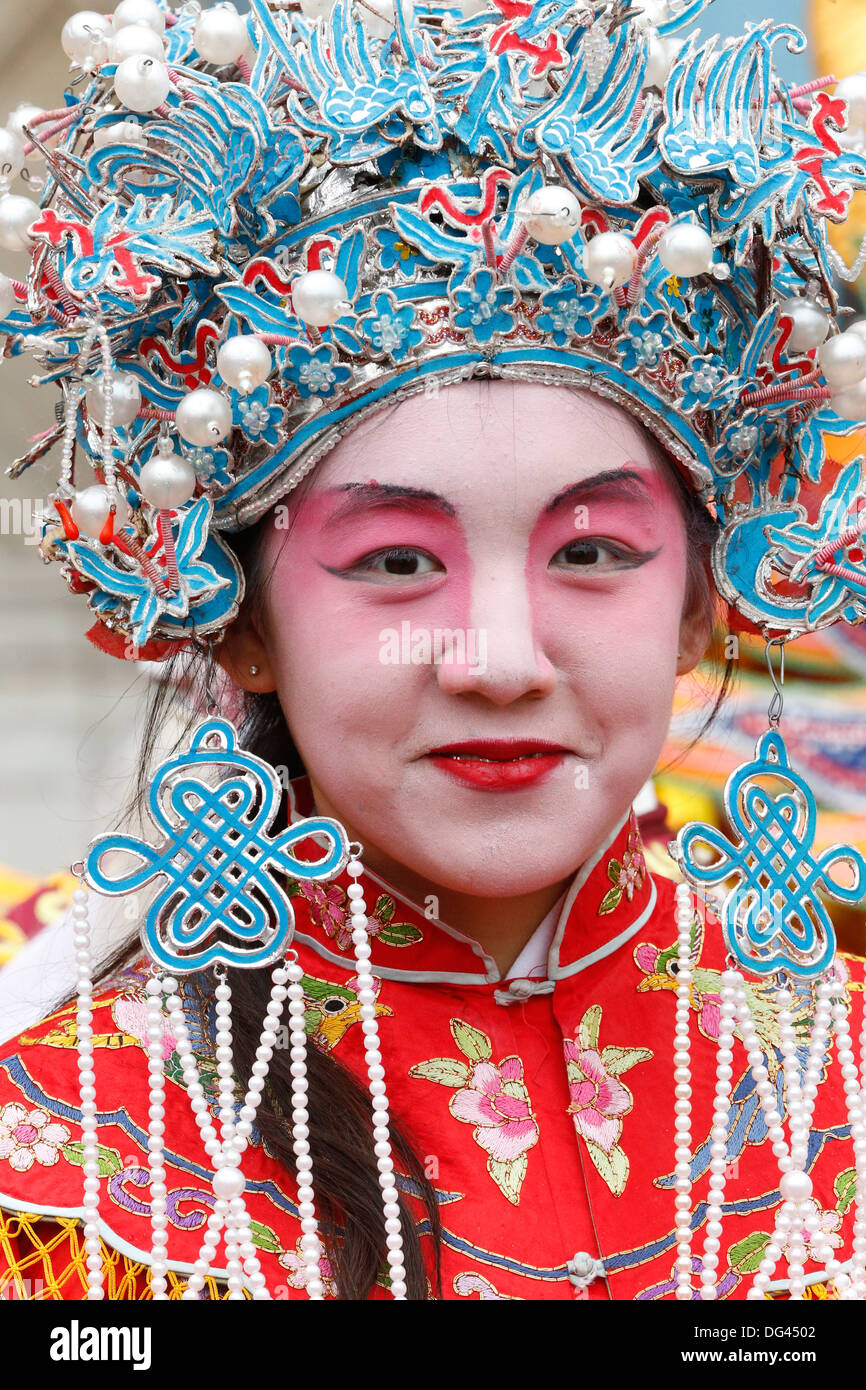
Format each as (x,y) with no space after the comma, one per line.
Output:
(322,215)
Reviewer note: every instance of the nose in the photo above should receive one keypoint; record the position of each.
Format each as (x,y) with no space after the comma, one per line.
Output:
(499,656)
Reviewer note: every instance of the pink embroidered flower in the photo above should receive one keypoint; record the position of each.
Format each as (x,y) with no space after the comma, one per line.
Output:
(299,1275)
(130,1015)
(29,1136)
(329,903)
(828,1223)
(495,1099)
(597,1099)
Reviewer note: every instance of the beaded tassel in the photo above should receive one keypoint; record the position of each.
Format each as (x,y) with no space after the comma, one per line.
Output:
(797,1225)
(155,1139)
(376,1074)
(87,1081)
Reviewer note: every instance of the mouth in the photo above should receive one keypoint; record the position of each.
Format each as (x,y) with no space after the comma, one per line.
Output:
(498,765)
(498,750)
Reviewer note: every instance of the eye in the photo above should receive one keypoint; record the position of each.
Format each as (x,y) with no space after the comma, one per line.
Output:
(400,562)
(591,554)
(333,1006)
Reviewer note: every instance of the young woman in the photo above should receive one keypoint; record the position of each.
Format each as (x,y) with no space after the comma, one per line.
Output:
(459,639)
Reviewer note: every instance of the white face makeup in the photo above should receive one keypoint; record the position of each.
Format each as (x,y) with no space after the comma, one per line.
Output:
(540,537)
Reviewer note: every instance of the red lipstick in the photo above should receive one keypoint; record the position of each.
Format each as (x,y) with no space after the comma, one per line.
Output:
(499,764)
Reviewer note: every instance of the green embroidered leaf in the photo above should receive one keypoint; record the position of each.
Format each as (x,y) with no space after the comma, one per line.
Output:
(400,934)
(845,1187)
(609,901)
(448,1071)
(746,1256)
(509,1176)
(472,1042)
(613,1167)
(109,1160)
(614,869)
(384,908)
(264,1238)
(174,1069)
(616,1060)
(587,1033)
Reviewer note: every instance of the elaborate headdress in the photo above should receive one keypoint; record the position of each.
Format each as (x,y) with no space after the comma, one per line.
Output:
(304,219)
(254,232)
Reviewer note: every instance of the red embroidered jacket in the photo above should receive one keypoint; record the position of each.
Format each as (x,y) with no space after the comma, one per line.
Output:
(543,1108)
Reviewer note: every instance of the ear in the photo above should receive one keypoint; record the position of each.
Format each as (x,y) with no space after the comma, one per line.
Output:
(695,634)
(244,656)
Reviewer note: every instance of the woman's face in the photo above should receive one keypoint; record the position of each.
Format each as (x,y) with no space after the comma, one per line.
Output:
(532,536)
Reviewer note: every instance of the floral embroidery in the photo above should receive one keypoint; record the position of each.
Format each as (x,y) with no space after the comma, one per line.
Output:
(598,1099)
(625,876)
(492,1097)
(29,1136)
(465,1285)
(130,1014)
(331,911)
(299,1275)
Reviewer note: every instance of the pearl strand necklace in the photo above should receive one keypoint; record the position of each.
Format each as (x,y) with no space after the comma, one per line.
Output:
(82,937)
(376,1074)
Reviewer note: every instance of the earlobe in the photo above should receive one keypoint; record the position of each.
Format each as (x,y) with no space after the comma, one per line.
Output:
(695,635)
(243,656)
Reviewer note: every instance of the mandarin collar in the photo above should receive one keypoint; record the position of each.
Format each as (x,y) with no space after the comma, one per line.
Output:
(611,897)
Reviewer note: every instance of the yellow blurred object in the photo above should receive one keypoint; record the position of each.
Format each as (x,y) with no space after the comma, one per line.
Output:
(838,45)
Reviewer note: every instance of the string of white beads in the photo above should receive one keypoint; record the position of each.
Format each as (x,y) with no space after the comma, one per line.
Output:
(311,1247)
(376,1074)
(853,1286)
(683,1092)
(731,979)
(155,1132)
(87,1084)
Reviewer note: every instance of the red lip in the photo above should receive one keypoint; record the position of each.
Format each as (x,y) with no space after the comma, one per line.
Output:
(501,749)
(498,764)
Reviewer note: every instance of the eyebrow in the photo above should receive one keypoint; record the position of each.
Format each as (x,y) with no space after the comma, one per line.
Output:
(623,484)
(613,483)
(360,496)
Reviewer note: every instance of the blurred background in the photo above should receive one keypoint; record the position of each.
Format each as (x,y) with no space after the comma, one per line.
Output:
(70,716)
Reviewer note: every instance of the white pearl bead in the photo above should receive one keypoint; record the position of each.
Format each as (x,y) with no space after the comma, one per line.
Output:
(17,215)
(610,260)
(136,41)
(11,156)
(228,1182)
(220,35)
(843,359)
(83,37)
(795,1186)
(552,215)
(811,323)
(125,132)
(850,404)
(204,417)
(686,250)
(166,481)
(125,398)
(139,12)
(91,506)
(21,116)
(319,297)
(244,361)
(142,83)
(852,89)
